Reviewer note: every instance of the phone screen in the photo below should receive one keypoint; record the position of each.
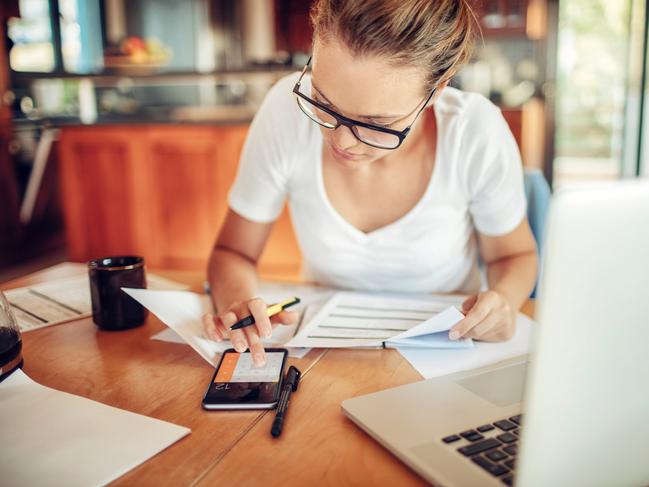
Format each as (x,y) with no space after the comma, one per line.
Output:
(239,383)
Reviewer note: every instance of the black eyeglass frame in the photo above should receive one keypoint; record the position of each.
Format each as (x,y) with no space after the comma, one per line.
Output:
(351,123)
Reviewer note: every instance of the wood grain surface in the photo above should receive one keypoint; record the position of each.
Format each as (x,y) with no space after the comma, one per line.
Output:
(319,445)
(126,369)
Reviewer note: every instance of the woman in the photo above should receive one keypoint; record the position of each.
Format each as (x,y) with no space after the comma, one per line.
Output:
(395,181)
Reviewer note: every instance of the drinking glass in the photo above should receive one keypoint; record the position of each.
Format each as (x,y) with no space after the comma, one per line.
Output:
(11,343)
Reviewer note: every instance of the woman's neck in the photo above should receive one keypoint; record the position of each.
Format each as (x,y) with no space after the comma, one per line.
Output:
(419,144)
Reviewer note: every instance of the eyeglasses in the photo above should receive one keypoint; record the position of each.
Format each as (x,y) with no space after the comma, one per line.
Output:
(372,135)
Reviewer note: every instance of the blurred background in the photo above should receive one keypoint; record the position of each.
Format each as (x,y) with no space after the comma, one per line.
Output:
(121,121)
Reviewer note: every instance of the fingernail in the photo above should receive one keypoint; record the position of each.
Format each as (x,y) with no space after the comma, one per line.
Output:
(239,347)
(268,333)
(258,359)
(454,335)
(228,319)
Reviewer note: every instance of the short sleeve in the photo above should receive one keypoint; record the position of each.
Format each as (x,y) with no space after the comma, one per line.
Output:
(493,171)
(261,185)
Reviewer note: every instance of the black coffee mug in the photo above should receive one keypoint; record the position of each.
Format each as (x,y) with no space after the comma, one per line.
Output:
(112,308)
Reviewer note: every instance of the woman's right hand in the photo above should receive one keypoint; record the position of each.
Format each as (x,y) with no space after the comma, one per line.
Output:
(217,327)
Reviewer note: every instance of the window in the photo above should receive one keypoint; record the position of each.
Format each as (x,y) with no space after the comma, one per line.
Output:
(591,89)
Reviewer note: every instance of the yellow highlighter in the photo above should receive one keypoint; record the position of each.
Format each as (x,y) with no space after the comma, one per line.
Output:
(272,310)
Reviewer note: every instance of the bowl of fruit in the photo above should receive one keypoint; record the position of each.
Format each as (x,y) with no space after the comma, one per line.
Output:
(137,55)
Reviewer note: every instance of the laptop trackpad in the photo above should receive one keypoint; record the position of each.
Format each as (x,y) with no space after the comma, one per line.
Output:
(501,387)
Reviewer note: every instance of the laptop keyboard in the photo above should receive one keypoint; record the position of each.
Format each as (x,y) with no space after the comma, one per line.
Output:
(492,446)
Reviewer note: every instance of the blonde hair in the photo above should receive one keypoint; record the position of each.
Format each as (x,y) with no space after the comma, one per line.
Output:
(436,35)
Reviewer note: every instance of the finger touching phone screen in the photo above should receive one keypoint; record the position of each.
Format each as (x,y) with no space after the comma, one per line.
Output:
(239,384)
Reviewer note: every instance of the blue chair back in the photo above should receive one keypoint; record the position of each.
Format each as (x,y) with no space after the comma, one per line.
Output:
(537,192)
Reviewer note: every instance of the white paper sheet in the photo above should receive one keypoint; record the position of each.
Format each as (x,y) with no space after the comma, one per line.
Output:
(439,322)
(62,300)
(181,311)
(435,363)
(50,437)
(170,336)
(354,319)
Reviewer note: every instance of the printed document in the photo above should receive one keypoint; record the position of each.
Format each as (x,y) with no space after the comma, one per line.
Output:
(354,319)
(62,300)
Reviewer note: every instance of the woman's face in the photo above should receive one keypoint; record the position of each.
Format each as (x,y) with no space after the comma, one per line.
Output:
(367,89)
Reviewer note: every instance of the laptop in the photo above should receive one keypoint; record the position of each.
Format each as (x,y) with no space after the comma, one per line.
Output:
(585,417)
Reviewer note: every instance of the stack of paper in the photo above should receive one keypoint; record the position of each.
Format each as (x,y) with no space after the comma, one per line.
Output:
(339,319)
(416,325)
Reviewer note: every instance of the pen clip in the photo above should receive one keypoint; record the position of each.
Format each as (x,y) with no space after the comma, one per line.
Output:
(293,377)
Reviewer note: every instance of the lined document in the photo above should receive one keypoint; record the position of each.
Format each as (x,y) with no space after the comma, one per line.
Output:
(51,303)
(351,319)
(62,300)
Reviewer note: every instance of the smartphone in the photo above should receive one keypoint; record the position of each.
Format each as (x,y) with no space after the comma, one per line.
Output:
(238,384)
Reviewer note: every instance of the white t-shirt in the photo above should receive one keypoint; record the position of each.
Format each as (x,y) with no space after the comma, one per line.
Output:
(476,183)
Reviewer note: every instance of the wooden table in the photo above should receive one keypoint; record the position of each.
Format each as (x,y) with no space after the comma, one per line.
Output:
(166,381)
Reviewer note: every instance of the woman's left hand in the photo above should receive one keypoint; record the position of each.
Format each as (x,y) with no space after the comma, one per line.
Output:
(488,317)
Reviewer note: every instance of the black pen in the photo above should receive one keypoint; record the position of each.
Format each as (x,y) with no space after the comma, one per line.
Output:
(273,309)
(290,385)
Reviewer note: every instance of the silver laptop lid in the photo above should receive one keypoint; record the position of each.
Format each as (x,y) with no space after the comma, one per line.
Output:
(587,402)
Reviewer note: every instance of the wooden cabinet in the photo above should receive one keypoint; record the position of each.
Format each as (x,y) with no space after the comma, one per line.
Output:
(97,172)
(9,224)
(157,191)
(190,171)
(514,118)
